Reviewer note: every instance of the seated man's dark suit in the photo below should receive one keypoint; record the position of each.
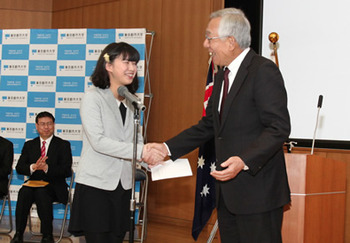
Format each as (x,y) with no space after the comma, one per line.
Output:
(59,163)
(6,160)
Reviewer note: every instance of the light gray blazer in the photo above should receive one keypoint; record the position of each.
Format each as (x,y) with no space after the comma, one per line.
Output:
(107,144)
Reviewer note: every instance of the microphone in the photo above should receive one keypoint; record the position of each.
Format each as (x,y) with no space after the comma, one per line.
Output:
(135,101)
(320,99)
(319,106)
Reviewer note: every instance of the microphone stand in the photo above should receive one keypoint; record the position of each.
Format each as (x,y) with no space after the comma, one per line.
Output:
(314,137)
(319,105)
(134,157)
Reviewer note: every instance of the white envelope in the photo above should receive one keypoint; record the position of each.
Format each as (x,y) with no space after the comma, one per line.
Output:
(171,169)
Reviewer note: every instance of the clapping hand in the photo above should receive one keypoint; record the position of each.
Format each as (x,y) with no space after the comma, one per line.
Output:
(41,164)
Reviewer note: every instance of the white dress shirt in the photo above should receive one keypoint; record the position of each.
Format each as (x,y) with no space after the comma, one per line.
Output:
(233,67)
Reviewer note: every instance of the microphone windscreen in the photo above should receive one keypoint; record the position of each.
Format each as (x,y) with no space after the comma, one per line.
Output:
(320,99)
(122,90)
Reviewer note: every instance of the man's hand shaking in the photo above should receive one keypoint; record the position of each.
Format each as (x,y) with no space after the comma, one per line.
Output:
(154,153)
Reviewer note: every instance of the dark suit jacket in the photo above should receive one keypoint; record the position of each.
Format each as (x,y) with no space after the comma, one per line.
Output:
(255,123)
(6,160)
(59,161)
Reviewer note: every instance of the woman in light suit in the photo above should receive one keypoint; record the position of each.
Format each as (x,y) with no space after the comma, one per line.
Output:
(100,208)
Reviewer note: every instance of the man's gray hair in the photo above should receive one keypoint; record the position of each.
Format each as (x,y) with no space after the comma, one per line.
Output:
(234,23)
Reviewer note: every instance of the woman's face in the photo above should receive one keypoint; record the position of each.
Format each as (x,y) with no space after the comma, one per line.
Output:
(121,72)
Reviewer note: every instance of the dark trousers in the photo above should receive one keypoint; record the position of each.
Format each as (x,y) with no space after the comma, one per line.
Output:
(253,228)
(43,198)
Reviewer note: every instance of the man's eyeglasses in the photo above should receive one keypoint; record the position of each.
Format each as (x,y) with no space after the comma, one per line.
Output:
(43,124)
(215,37)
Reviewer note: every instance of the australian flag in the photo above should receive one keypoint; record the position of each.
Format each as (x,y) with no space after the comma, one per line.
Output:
(205,187)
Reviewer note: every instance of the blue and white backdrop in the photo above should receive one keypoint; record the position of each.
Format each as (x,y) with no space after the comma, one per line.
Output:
(49,69)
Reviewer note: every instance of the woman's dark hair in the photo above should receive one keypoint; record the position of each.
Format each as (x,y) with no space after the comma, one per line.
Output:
(100,76)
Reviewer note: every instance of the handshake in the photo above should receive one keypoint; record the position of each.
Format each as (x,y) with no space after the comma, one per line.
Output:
(154,153)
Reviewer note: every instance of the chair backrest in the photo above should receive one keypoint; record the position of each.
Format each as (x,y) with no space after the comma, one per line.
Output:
(71,179)
(7,199)
(71,183)
(10,179)
(140,175)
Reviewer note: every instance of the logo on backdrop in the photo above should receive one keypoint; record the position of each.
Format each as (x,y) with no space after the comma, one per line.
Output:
(67,116)
(13,130)
(42,68)
(69,132)
(41,99)
(93,52)
(72,36)
(131,36)
(13,99)
(71,52)
(43,36)
(71,68)
(14,67)
(19,36)
(42,83)
(100,36)
(70,84)
(15,52)
(15,114)
(43,52)
(71,100)
(14,83)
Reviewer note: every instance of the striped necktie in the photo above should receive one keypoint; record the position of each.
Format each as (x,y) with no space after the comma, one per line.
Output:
(43,149)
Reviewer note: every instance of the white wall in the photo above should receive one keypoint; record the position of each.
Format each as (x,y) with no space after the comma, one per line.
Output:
(314,57)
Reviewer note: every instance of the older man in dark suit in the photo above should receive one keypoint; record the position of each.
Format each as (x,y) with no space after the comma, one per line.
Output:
(6,160)
(248,118)
(47,160)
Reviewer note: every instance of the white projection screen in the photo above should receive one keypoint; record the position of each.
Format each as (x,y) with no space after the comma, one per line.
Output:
(314,58)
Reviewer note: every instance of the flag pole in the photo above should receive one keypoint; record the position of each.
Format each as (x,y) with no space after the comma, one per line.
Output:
(215,227)
(273,37)
(213,232)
